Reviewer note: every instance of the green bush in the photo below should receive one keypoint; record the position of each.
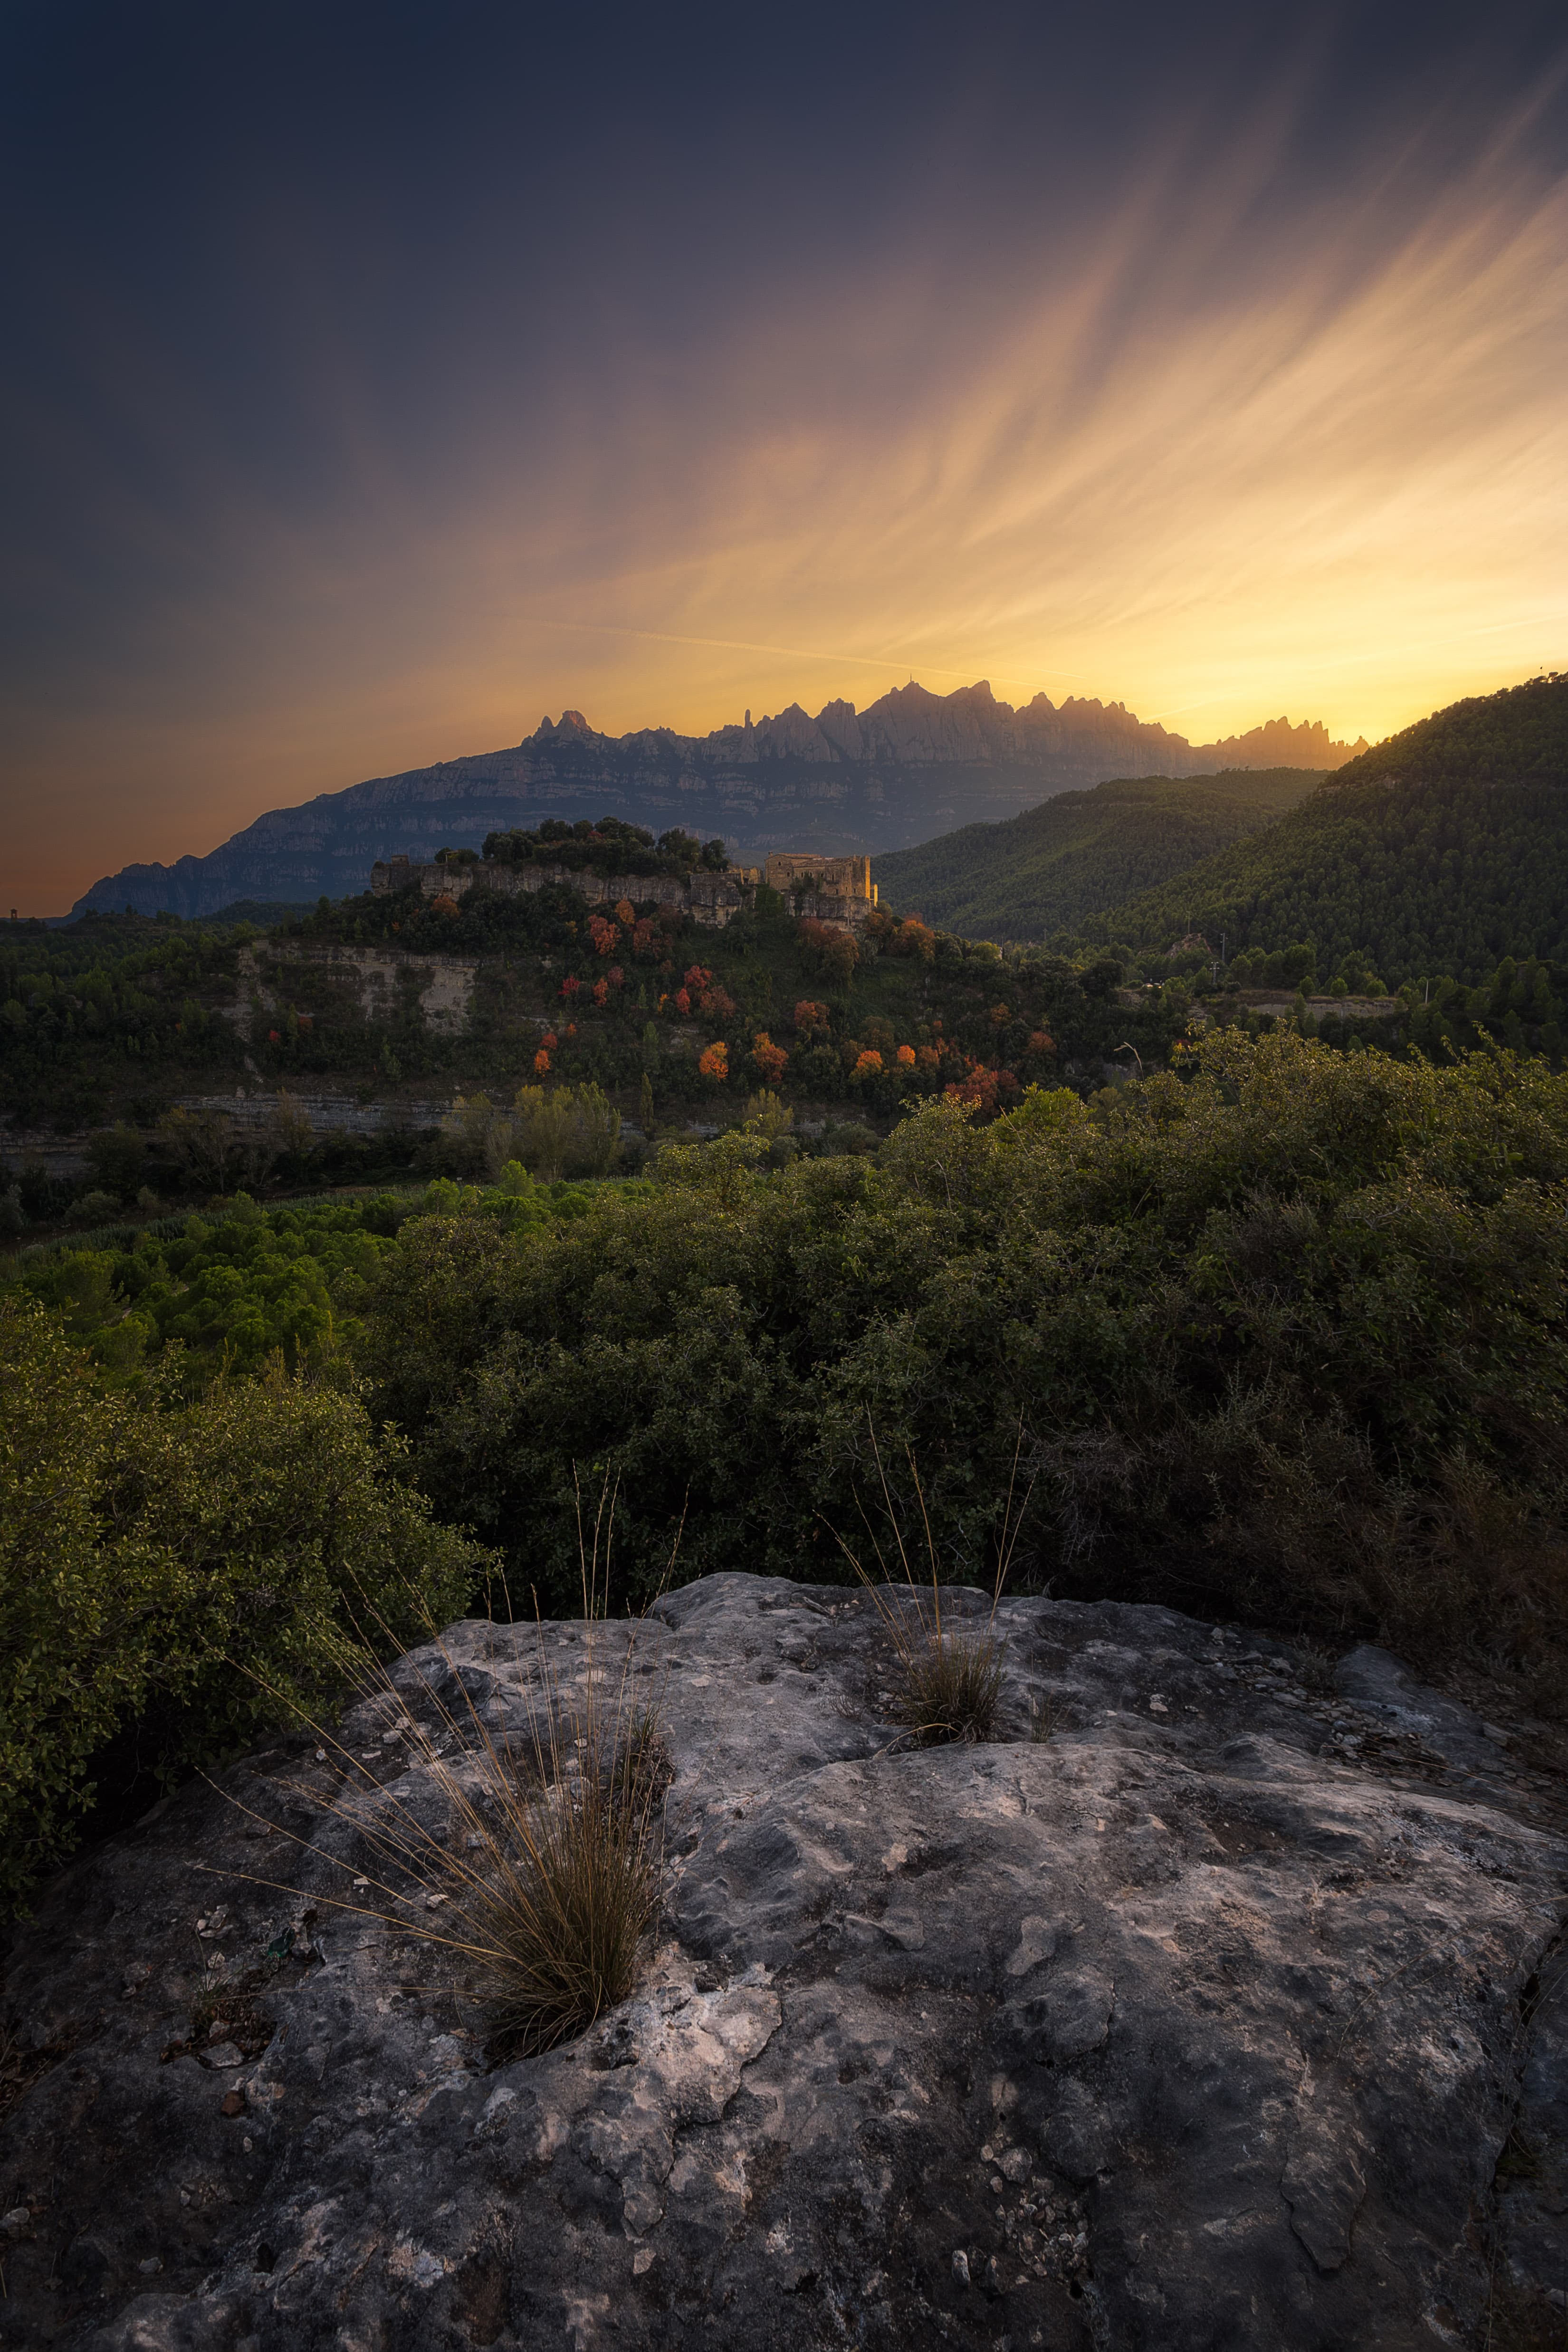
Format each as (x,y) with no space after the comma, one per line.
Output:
(185,1296)
(229,1291)
(193,1567)
(1277,1337)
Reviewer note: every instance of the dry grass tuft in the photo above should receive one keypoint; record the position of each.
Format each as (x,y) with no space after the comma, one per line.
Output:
(952,1685)
(529,1861)
(950,1677)
(555,1919)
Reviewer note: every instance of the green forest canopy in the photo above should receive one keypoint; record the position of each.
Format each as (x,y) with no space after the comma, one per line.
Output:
(1441,851)
(1077,852)
(121,1021)
(605,845)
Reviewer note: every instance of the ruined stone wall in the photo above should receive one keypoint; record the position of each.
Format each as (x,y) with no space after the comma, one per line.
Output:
(843,914)
(837,890)
(710,899)
(797,870)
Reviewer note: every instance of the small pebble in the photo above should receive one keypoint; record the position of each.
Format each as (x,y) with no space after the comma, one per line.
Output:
(17,2220)
(961,2266)
(233,2103)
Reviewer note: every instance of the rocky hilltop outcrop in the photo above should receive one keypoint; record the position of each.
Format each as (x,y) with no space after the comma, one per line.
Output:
(1216,2004)
(914,764)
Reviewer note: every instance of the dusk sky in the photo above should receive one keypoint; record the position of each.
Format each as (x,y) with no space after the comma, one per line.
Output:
(380,377)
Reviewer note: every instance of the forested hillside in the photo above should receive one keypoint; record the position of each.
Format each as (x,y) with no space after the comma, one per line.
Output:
(393,1038)
(1517,736)
(1441,851)
(399,1002)
(1078,853)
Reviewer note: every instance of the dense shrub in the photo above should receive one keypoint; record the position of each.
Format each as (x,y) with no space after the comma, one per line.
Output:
(610,845)
(229,1289)
(1289,1334)
(177,1566)
(550,1131)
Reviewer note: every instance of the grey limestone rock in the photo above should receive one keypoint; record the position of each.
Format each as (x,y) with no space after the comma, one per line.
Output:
(1392,1697)
(1194,2010)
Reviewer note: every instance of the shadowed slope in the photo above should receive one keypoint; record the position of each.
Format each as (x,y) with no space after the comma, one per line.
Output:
(1438,851)
(1077,852)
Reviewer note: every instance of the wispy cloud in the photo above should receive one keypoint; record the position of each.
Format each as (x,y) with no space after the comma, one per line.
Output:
(1217,449)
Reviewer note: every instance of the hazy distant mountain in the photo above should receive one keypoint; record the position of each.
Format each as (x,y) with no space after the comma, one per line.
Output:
(912,765)
(1078,853)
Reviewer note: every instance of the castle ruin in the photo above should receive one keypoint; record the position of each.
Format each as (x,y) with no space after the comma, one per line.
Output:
(833,889)
(837,890)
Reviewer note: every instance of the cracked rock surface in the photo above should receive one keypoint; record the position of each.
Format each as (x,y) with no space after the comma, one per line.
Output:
(1194,2010)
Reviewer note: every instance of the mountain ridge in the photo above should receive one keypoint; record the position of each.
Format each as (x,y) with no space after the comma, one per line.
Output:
(1439,851)
(1053,867)
(912,764)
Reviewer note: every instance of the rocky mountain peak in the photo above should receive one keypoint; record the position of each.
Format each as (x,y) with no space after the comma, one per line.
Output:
(571,724)
(910,765)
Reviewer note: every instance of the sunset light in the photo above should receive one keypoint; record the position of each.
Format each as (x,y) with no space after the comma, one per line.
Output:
(1243,398)
(783,1176)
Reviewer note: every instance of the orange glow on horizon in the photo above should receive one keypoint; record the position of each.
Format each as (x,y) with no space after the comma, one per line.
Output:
(1334,487)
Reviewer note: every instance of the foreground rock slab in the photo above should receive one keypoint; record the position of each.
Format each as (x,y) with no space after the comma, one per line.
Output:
(1196,2010)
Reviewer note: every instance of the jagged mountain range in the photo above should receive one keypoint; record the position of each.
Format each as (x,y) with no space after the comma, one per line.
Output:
(910,765)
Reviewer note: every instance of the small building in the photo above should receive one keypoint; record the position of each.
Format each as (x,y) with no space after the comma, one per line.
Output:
(789,870)
(837,890)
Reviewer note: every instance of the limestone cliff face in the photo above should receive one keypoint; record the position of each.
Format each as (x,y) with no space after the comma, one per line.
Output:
(910,765)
